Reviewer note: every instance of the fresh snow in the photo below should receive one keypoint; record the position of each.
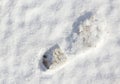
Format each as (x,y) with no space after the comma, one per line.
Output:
(87,31)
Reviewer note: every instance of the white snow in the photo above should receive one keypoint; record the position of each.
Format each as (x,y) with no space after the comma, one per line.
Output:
(28,28)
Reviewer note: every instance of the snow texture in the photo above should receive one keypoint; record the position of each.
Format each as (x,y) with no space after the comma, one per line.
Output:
(87,32)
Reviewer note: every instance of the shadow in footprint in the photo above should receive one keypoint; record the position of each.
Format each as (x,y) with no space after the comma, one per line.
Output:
(47,58)
(80,20)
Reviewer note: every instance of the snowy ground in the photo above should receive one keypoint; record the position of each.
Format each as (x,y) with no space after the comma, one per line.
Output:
(28,28)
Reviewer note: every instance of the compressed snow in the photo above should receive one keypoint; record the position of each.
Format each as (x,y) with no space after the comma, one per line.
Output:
(28,28)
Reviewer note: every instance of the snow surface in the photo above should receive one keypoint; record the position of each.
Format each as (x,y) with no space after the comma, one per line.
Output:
(28,28)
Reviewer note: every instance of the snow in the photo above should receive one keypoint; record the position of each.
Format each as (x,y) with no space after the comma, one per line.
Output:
(28,28)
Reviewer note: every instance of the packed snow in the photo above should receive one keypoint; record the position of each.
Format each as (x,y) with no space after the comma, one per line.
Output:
(86,31)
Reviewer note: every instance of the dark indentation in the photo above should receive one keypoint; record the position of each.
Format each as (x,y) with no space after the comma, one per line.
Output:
(47,58)
(44,56)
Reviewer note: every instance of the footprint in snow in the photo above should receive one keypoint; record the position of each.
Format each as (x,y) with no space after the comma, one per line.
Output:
(85,34)
(53,57)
